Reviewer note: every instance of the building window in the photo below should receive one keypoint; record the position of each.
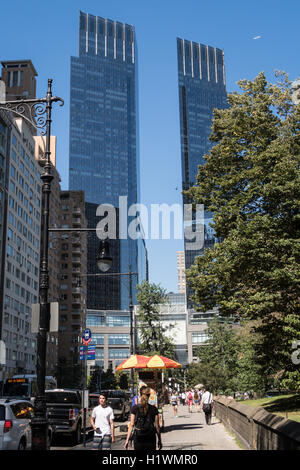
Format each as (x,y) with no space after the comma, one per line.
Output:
(200,337)
(118,353)
(119,339)
(99,353)
(95,320)
(117,320)
(98,339)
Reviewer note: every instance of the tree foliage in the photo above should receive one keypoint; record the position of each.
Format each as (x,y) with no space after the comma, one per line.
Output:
(251,183)
(228,360)
(152,332)
(217,366)
(102,380)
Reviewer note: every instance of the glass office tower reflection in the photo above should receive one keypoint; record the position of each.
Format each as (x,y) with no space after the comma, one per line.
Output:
(202,87)
(104,159)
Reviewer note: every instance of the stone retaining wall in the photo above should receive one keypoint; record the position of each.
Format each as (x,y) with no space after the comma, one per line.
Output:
(257,428)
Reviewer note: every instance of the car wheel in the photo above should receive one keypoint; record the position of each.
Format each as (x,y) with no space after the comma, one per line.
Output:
(22,444)
(77,435)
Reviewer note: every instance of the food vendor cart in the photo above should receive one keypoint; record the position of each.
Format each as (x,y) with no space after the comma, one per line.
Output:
(150,375)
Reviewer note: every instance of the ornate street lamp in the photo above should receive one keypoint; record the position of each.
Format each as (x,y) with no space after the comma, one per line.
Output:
(103,259)
(38,113)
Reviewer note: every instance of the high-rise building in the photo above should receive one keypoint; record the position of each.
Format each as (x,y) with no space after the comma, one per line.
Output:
(5,131)
(72,288)
(202,88)
(180,272)
(19,78)
(104,159)
(22,240)
(103,291)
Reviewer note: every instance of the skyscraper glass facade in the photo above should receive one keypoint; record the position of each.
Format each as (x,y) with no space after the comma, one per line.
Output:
(104,159)
(202,88)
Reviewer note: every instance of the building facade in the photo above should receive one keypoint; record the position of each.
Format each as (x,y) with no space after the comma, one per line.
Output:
(72,282)
(202,88)
(103,290)
(22,239)
(5,138)
(104,154)
(111,335)
(181,272)
(19,78)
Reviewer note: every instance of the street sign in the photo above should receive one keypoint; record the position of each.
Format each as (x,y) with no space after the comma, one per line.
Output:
(87,336)
(91,350)
(35,317)
(91,363)
(2,353)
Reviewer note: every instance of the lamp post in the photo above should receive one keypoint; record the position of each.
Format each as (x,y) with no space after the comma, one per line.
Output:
(38,113)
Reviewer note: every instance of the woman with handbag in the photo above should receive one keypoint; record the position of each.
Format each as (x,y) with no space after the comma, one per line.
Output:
(207,401)
(144,425)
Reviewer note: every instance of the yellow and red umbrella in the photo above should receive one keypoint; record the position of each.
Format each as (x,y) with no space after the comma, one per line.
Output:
(161,362)
(135,361)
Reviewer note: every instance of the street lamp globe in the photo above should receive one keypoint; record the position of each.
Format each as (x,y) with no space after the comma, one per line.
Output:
(103,259)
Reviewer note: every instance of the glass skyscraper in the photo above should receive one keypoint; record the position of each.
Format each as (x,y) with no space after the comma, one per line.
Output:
(202,87)
(104,154)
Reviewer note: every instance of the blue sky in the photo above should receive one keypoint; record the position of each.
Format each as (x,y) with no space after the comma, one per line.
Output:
(47,33)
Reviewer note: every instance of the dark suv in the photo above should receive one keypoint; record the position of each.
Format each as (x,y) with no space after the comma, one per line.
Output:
(117,400)
(65,413)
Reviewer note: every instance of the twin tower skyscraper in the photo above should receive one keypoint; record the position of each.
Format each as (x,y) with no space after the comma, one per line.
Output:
(104,133)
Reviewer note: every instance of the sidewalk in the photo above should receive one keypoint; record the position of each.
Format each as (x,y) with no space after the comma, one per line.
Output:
(190,432)
(186,432)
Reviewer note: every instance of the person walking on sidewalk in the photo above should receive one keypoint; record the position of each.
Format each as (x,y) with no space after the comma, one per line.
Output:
(207,404)
(197,400)
(174,402)
(102,422)
(144,425)
(189,399)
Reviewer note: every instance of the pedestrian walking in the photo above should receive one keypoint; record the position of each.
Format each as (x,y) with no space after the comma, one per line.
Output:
(135,400)
(183,398)
(207,404)
(102,421)
(144,425)
(197,400)
(174,402)
(189,399)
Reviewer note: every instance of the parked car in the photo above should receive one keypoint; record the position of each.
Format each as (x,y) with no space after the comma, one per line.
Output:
(65,413)
(117,400)
(15,430)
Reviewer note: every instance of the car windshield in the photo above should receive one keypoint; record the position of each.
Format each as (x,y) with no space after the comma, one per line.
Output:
(62,397)
(2,413)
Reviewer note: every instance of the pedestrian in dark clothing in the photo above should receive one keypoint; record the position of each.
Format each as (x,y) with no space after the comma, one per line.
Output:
(207,401)
(144,425)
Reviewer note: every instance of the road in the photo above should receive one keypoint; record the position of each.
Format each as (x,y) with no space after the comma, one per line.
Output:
(65,443)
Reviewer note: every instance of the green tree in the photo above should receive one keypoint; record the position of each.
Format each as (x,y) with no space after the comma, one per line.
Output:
(122,380)
(108,380)
(218,359)
(250,182)
(151,330)
(250,375)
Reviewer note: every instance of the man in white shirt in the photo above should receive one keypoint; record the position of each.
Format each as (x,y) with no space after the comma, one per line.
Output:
(102,421)
(207,401)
